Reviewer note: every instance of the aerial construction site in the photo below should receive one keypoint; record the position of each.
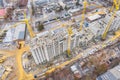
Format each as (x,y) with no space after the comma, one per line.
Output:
(60,40)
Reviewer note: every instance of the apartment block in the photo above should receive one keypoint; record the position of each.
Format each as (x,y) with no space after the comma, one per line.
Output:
(48,45)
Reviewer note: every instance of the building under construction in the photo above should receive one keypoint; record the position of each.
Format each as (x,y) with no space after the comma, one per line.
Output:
(47,45)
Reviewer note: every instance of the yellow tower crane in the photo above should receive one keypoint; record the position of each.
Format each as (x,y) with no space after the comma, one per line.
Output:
(69,29)
(116,4)
(83,14)
(28,26)
(70,32)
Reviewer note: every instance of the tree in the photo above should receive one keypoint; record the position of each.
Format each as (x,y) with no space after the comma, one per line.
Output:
(100,69)
(88,77)
(77,3)
(66,8)
(40,27)
(73,20)
(33,10)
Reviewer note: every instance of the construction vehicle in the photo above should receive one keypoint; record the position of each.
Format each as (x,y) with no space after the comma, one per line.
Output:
(111,20)
(116,3)
(2,59)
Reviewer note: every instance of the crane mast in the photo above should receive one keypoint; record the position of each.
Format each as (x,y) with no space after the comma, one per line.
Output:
(116,5)
(83,15)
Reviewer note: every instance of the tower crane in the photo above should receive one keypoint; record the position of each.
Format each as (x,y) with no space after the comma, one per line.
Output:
(83,15)
(69,30)
(116,4)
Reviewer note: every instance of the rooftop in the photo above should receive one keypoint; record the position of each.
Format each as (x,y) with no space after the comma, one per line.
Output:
(112,74)
(94,17)
(116,72)
(2,13)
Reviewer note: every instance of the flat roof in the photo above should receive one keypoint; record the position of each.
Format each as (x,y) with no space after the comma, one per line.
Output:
(73,68)
(94,17)
(118,13)
(2,12)
(93,27)
(19,33)
(112,74)
(116,72)
(42,34)
(74,10)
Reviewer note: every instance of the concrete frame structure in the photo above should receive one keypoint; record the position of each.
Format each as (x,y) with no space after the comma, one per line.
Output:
(48,45)
(52,45)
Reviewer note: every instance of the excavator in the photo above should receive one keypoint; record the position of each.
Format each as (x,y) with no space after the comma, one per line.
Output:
(2,59)
(116,5)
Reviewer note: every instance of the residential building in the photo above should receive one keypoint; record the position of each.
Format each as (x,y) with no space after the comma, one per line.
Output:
(48,45)
(22,2)
(112,74)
